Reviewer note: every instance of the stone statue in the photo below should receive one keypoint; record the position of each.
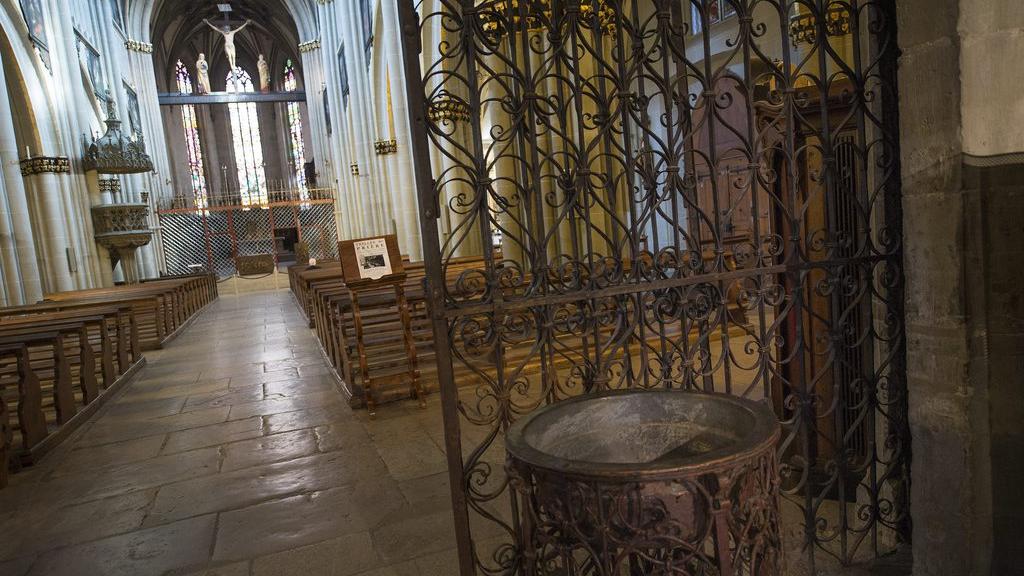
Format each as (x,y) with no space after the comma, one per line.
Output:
(264,70)
(203,75)
(229,40)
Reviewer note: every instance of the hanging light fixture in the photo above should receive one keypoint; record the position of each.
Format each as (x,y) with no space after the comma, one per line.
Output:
(115,152)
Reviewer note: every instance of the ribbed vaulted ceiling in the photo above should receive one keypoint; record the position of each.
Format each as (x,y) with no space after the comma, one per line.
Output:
(178,32)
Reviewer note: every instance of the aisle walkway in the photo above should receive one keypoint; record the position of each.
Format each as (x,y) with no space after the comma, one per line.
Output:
(233,454)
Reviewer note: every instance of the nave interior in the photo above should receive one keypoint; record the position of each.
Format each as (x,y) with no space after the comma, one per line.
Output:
(511,287)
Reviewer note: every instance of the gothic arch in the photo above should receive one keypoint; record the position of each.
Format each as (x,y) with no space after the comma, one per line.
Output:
(139,18)
(25,84)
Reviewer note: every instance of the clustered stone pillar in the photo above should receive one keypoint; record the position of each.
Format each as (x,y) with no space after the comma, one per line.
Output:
(24,271)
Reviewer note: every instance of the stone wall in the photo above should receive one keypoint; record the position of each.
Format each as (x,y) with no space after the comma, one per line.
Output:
(963,199)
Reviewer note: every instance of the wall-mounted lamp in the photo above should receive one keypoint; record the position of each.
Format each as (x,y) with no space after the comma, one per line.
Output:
(355,169)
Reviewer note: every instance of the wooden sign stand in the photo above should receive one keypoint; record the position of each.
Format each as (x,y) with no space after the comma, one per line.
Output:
(379,258)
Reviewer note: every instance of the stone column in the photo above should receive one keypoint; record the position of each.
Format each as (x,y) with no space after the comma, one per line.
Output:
(130,266)
(962,154)
(17,207)
(17,214)
(405,206)
(357,141)
(13,294)
(49,225)
(311,73)
(347,213)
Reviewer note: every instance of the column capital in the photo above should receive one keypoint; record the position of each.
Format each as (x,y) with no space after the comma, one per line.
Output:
(45,165)
(138,46)
(310,46)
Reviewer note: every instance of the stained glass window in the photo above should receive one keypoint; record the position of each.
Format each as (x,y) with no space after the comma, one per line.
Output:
(297,147)
(193,148)
(245,132)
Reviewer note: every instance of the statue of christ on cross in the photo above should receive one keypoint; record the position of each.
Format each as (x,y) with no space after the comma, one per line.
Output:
(229,40)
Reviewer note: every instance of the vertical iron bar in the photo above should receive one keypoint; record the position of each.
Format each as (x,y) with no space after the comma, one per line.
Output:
(415,96)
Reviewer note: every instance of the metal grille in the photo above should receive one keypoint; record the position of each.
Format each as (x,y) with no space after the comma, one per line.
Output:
(215,237)
(319,231)
(254,232)
(691,194)
(184,242)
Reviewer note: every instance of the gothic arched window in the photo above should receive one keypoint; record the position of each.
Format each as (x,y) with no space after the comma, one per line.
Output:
(296,146)
(245,133)
(193,148)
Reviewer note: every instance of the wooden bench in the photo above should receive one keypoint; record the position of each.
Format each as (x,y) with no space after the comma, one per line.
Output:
(326,302)
(60,359)
(162,307)
(117,319)
(61,365)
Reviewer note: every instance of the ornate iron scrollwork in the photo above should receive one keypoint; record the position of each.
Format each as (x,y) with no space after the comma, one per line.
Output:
(708,207)
(503,15)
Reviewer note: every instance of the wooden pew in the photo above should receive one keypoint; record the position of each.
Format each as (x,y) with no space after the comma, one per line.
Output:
(328,305)
(117,319)
(71,360)
(162,307)
(21,356)
(326,301)
(60,359)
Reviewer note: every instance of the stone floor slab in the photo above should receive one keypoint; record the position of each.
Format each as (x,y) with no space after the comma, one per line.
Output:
(287,523)
(213,435)
(141,553)
(269,449)
(93,457)
(344,556)
(234,441)
(240,488)
(102,483)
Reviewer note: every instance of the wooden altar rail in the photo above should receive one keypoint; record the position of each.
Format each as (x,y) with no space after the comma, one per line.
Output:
(62,358)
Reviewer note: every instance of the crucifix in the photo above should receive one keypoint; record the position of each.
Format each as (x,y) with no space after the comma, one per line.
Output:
(229,34)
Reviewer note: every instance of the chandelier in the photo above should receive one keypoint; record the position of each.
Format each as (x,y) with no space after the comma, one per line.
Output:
(115,152)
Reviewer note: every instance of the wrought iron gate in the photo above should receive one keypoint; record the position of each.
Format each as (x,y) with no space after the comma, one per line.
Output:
(695,194)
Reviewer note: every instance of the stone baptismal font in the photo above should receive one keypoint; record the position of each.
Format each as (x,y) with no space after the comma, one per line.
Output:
(658,482)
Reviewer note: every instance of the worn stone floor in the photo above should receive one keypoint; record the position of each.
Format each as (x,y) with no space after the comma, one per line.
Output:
(233,454)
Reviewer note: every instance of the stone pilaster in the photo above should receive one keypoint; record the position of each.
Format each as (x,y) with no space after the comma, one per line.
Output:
(963,201)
